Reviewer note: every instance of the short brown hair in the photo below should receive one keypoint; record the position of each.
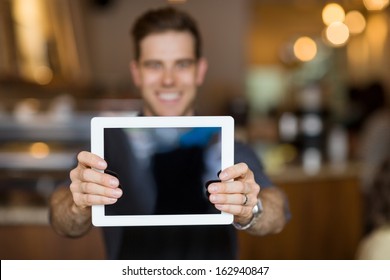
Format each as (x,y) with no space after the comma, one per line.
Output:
(162,20)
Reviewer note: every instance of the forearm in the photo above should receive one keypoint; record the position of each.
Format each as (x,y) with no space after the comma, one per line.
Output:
(273,218)
(65,217)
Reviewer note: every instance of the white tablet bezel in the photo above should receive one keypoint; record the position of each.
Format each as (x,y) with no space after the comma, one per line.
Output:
(226,123)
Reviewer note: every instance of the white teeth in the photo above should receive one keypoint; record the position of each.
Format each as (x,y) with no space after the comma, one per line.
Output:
(168,96)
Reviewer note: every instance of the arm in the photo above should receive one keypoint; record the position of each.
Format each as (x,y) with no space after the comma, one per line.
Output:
(230,196)
(65,217)
(70,207)
(272,219)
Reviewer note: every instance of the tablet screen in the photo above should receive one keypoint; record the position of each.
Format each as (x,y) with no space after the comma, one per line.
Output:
(163,170)
(164,165)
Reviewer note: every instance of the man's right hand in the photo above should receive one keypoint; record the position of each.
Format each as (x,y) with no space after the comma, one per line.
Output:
(91,187)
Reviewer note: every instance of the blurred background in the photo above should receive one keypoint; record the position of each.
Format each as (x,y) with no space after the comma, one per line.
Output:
(306,81)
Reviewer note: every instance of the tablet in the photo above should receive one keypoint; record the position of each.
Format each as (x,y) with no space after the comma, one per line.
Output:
(164,165)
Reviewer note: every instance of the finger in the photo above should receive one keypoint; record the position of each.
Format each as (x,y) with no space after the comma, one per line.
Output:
(230,187)
(91,199)
(95,189)
(239,170)
(236,210)
(87,194)
(91,160)
(235,199)
(81,174)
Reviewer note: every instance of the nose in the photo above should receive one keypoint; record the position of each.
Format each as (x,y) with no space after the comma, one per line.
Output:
(168,77)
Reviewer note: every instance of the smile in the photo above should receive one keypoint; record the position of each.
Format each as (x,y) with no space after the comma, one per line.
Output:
(168,96)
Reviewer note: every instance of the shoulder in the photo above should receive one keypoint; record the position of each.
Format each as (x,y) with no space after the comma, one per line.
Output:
(245,153)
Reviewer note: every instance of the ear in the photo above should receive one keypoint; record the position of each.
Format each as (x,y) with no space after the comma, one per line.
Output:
(201,70)
(135,72)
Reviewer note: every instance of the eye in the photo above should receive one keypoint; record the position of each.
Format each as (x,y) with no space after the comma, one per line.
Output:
(155,65)
(184,64)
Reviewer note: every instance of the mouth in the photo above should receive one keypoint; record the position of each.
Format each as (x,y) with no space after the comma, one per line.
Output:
(168,96)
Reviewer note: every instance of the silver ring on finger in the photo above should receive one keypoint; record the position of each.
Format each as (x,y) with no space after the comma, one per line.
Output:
(245,199)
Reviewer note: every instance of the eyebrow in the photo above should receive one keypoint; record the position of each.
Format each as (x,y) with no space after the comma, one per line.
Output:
(150,61)
(188,60)
(180,60)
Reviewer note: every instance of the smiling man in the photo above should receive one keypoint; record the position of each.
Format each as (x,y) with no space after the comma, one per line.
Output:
(168,68)
(168,73)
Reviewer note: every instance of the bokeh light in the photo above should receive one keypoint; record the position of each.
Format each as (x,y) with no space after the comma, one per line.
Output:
(355,21)
(39,150)
(43,75)
(332,13)
(375,5)
(305,49)
(337,33)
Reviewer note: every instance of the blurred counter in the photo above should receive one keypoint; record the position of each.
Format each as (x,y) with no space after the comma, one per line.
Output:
(295,173)
(24,215)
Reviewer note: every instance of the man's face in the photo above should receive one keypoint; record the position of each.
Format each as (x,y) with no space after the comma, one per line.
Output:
(168,74)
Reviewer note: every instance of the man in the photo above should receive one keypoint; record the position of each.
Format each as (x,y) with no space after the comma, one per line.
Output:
(168,68)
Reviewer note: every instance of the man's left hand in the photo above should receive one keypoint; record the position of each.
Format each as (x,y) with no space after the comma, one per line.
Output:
(236,193)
